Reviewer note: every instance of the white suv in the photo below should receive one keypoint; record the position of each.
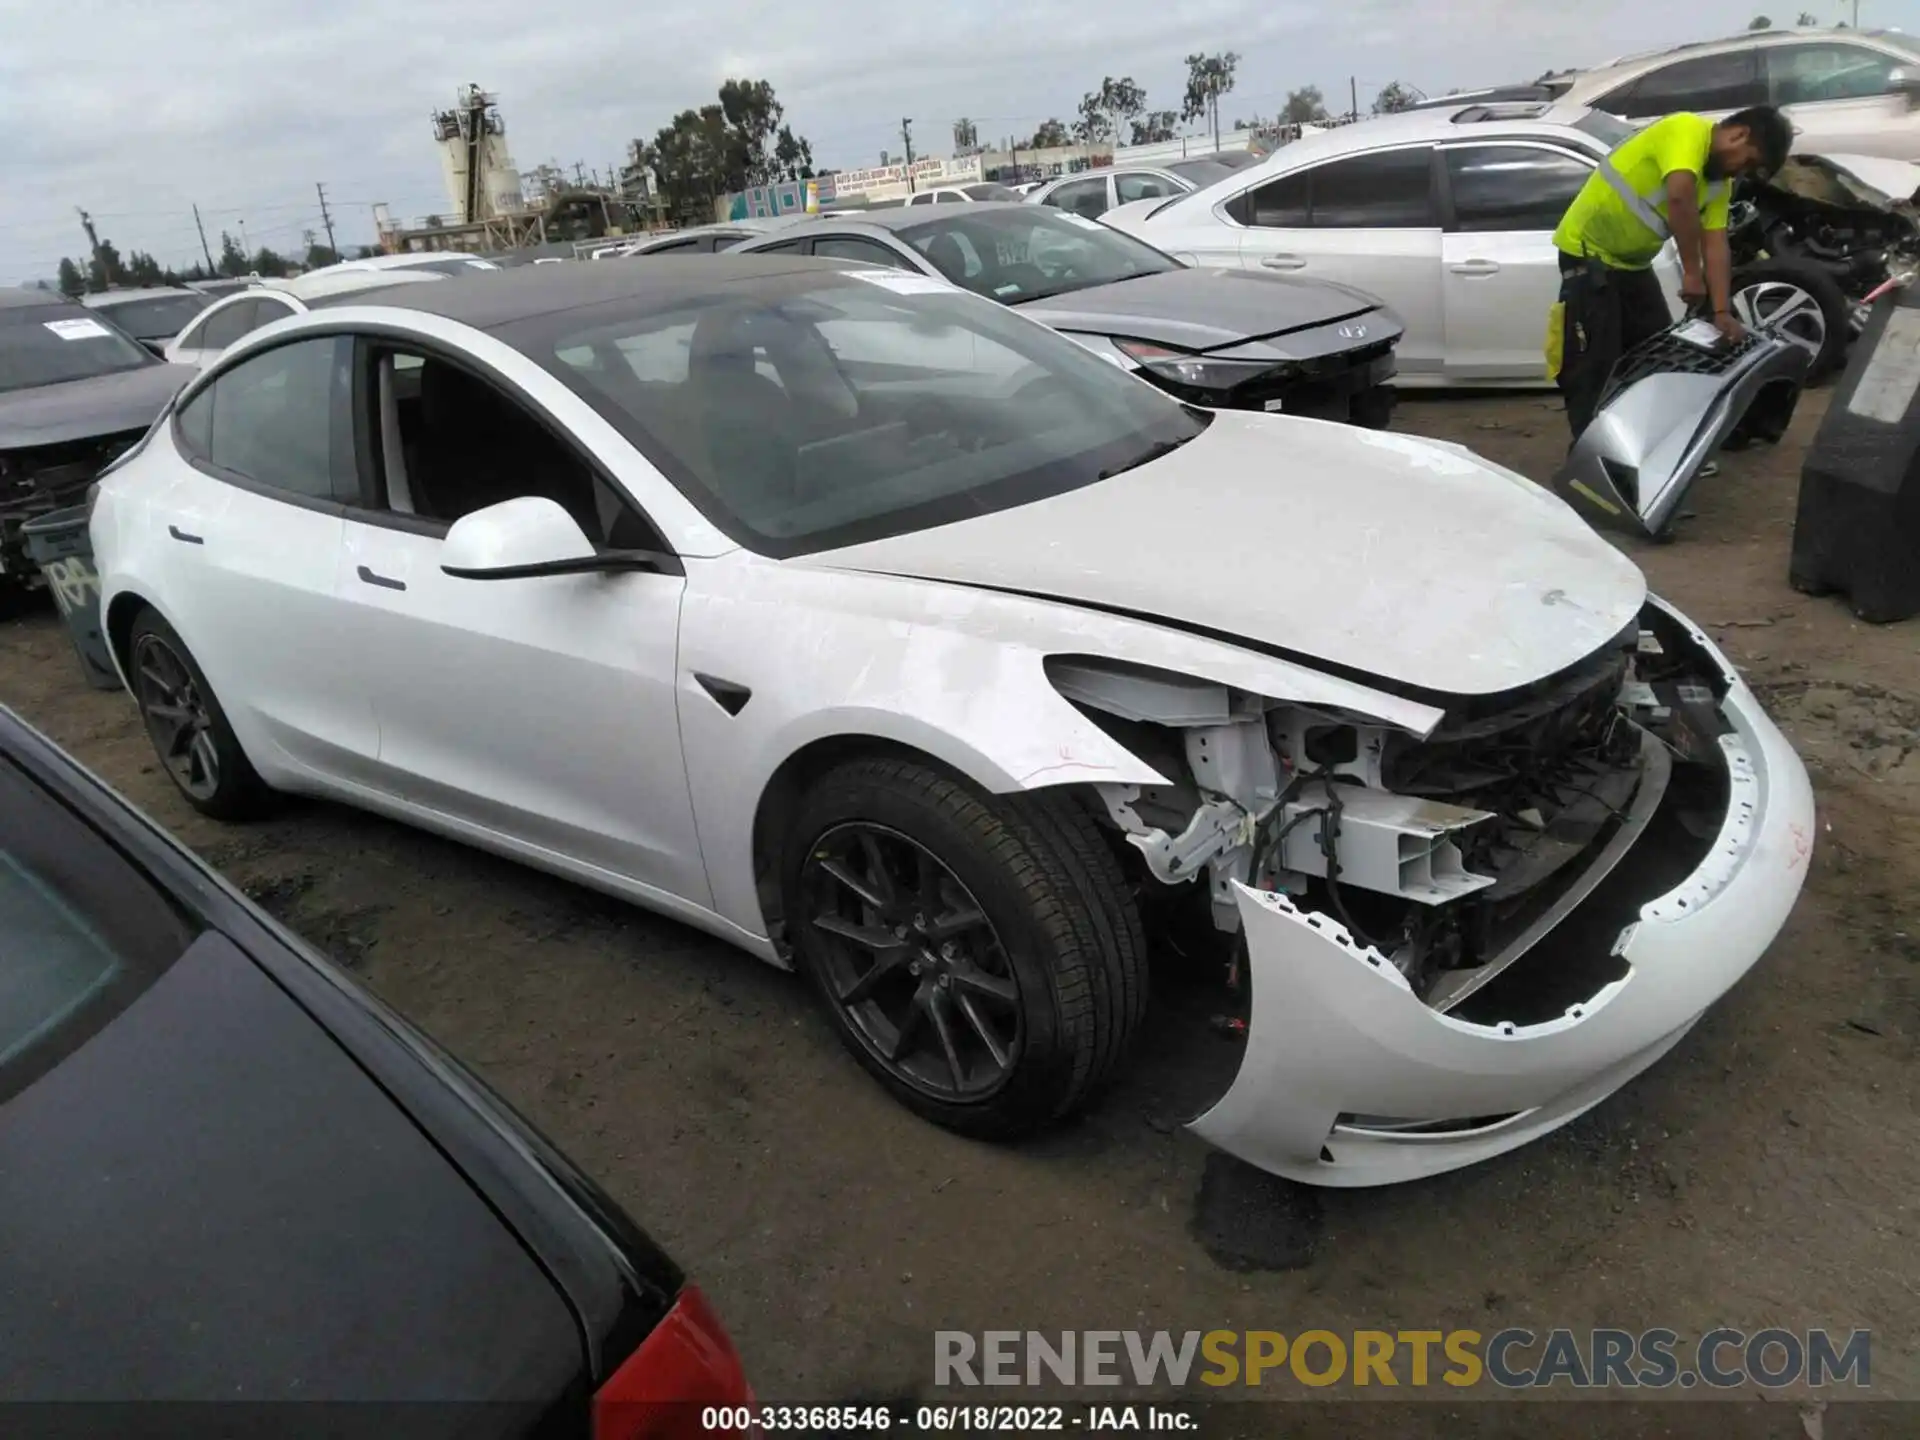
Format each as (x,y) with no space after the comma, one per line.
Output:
(1848,92)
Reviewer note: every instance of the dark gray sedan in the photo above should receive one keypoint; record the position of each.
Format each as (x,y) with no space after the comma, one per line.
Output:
(1226,339)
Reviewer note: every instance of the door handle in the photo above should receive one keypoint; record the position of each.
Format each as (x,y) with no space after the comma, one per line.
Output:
(177,533)
(1283,262)
(382,581)
(1476,267)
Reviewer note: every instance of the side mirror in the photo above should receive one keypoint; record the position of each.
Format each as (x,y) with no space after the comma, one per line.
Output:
(531,537)
(1904,80)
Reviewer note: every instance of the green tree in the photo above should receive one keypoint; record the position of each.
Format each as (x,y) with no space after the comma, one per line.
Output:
(1305,106)
(319,255)
(966,136)
(143,269)
(1208,78)
(1760,22)
(1807,19)
(1393,98)
(1155,127)
(1103,111)
(105,269)
(269,263)
(719,148)
(1050,135)
(233,260)
(73,284)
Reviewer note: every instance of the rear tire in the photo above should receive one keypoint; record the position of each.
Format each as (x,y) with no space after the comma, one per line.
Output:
(195,744)
(1023,1011)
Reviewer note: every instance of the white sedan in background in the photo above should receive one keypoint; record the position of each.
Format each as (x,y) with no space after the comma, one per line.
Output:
(266,301)
(948,677)
(1446,214)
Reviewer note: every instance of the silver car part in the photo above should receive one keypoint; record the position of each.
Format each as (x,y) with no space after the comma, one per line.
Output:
(1668,408)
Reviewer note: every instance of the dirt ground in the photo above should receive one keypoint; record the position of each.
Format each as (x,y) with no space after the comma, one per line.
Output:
(1765,1173)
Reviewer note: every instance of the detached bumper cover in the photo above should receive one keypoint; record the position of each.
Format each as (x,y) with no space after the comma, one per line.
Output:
(1336,1030)
(1669,407)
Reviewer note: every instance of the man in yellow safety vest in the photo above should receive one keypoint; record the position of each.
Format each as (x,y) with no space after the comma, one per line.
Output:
(1672,180)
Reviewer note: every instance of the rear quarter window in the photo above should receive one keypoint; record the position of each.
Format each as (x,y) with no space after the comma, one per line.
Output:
(83,932)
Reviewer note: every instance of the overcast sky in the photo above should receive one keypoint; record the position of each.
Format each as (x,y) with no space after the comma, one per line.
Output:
(138,112)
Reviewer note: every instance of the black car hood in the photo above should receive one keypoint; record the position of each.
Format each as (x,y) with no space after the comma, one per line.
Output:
(82,409)
(210,1200)
(1202,308)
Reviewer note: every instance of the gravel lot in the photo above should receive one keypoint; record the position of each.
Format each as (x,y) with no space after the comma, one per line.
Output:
(1765,1173)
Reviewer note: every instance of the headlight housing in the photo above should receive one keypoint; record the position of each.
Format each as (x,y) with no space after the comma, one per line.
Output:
(1200,372)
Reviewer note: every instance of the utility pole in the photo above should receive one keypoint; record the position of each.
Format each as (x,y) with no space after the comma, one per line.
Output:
(1353,98)
(579,175)
(245,244)
(204,249)
(325,218)
(906,134)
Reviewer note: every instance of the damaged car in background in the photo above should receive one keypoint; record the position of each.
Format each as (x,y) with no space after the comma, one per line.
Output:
(962,677)
(1813,242)
(76,391)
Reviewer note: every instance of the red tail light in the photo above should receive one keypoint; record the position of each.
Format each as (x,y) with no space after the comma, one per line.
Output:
(685,1380)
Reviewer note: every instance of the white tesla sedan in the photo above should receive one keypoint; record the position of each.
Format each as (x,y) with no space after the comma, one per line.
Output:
(1446,214)
(884,632)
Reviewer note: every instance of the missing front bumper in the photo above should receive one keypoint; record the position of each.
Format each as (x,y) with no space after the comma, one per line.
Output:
(1670,407)
(1336,1032)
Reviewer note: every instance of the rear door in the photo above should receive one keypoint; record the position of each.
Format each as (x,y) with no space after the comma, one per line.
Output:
(1500,271)
(1370,220)
(1841,98)
(1090,197)
(255,533)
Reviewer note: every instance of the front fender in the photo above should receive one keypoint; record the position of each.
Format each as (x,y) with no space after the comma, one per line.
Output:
(955,673)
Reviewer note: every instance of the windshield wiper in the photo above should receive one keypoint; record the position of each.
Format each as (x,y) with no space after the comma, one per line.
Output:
(1154,451)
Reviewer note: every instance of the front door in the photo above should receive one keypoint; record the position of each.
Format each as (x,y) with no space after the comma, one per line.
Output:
(541,710)
(1842,100)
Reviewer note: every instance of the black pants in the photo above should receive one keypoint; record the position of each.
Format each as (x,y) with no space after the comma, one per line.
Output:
(1608,312)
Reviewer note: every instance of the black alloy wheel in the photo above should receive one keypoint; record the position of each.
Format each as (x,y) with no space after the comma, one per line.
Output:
(176,717)
(913,962)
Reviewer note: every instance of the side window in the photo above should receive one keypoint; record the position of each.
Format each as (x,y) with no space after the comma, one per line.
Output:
(1143,187)
(452,443)
(677,245)
(1279,204)
(224,327)
(266,311)
(1807,74)
(924,197)
(1727,81)
(1512,187)
(947,197)
(852,247)
(785,247)
(1082,197)
(280,419)
(1387,190)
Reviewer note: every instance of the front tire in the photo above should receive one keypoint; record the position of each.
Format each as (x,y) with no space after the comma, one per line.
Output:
(190,733)
(1801,303)
(978,954)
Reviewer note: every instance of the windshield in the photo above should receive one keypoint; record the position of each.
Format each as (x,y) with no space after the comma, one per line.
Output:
(448,267)
(160,317)
(1609,130)
(1030,252)
(50,344)
(814,409)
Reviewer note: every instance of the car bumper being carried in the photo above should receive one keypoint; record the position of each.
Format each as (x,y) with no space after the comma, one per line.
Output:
(1350,1079)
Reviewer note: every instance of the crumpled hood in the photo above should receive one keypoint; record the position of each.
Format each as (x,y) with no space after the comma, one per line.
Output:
(81,409)
(1410,561)
(1202,309)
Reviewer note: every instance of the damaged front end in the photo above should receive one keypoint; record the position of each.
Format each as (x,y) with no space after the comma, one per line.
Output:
(1445,944)
(1669,407)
